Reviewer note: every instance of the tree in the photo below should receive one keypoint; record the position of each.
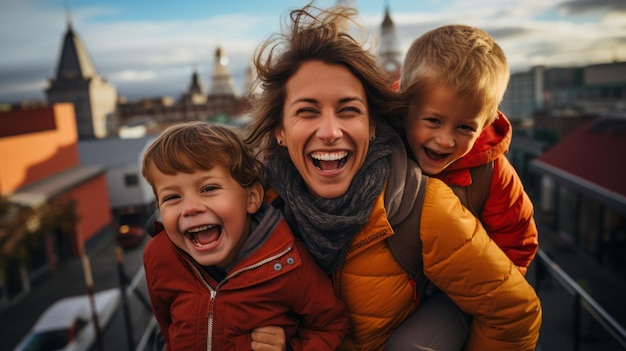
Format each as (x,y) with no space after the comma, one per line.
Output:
(23,229)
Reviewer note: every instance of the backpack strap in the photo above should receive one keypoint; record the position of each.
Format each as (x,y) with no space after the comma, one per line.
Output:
(406,245)
(474,196)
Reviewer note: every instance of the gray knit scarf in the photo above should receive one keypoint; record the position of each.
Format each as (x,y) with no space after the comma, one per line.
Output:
(328,226)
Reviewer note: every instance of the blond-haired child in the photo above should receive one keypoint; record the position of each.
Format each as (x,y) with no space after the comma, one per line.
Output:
(454,78)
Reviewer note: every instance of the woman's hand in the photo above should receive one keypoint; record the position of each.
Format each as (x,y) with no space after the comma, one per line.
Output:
(268,339)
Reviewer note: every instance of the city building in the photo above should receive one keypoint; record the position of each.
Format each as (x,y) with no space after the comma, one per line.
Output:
(56,207)
(592,89)
(389,54)
(77,81)
(131,197)
(195,95)
(223,97)
(568,124)
(220,104)
(582,193)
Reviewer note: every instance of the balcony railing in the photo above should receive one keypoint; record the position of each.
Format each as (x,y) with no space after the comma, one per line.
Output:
(581,300)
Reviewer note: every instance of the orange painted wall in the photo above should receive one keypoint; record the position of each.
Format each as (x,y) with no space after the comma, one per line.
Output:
(38,143)
(93,206)
(32,156)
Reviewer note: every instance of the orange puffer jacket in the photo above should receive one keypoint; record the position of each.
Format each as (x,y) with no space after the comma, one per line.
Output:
(456,251)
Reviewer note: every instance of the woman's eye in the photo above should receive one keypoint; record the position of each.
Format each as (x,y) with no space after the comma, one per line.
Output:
(306,112)
(350,111)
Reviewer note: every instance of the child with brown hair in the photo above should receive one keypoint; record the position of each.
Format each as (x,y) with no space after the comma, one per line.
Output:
(227,273)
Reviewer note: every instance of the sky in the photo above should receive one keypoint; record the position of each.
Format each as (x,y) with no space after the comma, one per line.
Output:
(151,48)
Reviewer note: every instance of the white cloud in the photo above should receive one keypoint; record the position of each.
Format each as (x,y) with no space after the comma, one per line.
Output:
(141,57)
(133,76)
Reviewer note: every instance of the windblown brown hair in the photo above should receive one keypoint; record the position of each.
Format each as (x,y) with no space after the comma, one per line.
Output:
(314,34)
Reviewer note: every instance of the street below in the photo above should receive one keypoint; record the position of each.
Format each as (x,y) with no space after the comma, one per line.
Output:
(109,270)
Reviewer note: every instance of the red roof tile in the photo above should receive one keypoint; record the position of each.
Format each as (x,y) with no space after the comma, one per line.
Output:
(595,153)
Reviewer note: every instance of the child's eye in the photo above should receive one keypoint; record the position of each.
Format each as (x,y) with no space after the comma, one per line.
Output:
(169,198)
(209,188)
(467,129)
(432,121)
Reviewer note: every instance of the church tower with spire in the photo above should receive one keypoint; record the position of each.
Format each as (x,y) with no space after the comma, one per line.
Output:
(389,53)
(195,95)
(77,81)
(222,97)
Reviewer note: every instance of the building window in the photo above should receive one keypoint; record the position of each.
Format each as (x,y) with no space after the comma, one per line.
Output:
(131,180)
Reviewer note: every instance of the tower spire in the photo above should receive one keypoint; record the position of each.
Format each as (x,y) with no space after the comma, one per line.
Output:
(389,53)
(68,13)
(78,81)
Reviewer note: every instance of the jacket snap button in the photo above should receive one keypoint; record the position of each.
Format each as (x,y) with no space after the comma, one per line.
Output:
(278,266)
(290,260)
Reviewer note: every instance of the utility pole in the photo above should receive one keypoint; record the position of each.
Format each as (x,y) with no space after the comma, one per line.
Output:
(89,283)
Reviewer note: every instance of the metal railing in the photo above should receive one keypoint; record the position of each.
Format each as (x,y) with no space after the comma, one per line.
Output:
(582,300)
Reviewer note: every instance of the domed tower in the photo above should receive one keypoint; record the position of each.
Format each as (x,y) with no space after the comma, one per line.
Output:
(389,54)
(222,83)
(222,101)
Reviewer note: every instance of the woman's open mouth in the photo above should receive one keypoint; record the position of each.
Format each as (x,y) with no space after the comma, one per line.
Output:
(329,161)
(205,235)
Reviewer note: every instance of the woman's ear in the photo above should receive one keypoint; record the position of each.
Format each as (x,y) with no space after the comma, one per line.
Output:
(372,130)
(255,197)
(280,136)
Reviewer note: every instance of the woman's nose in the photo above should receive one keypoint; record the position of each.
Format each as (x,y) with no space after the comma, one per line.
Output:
(329,129)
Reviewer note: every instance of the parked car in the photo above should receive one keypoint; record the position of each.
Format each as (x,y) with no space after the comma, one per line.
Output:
(67,325)
(130,236)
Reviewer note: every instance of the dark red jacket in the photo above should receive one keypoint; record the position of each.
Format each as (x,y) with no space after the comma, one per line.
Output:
(279,284)
(508,212)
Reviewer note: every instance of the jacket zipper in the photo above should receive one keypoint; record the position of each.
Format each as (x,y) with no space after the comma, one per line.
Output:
(209,342)
(209,338)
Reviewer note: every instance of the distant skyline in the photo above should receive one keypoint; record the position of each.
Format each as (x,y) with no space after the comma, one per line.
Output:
(151,48)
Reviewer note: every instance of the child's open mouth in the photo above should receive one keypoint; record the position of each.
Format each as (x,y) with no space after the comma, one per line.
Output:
(205,235)
(435,155)
(328,161)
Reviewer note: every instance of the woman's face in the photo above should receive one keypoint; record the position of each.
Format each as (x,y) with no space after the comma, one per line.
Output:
(326,126)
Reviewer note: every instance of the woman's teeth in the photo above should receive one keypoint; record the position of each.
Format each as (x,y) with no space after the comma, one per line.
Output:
(329,160)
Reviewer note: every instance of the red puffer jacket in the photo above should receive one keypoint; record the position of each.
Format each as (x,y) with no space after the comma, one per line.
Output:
(507,214)
(279,284)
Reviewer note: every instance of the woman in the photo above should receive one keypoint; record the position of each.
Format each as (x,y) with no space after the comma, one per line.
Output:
(344,183)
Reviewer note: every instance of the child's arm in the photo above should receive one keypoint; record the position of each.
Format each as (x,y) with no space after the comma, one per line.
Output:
(324,320)
(159,310)
(508,215)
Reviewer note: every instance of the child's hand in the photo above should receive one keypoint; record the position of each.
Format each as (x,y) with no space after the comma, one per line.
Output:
(268,339)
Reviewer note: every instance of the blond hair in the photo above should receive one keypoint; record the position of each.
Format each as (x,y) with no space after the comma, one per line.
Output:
(192,146)
(462,58)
